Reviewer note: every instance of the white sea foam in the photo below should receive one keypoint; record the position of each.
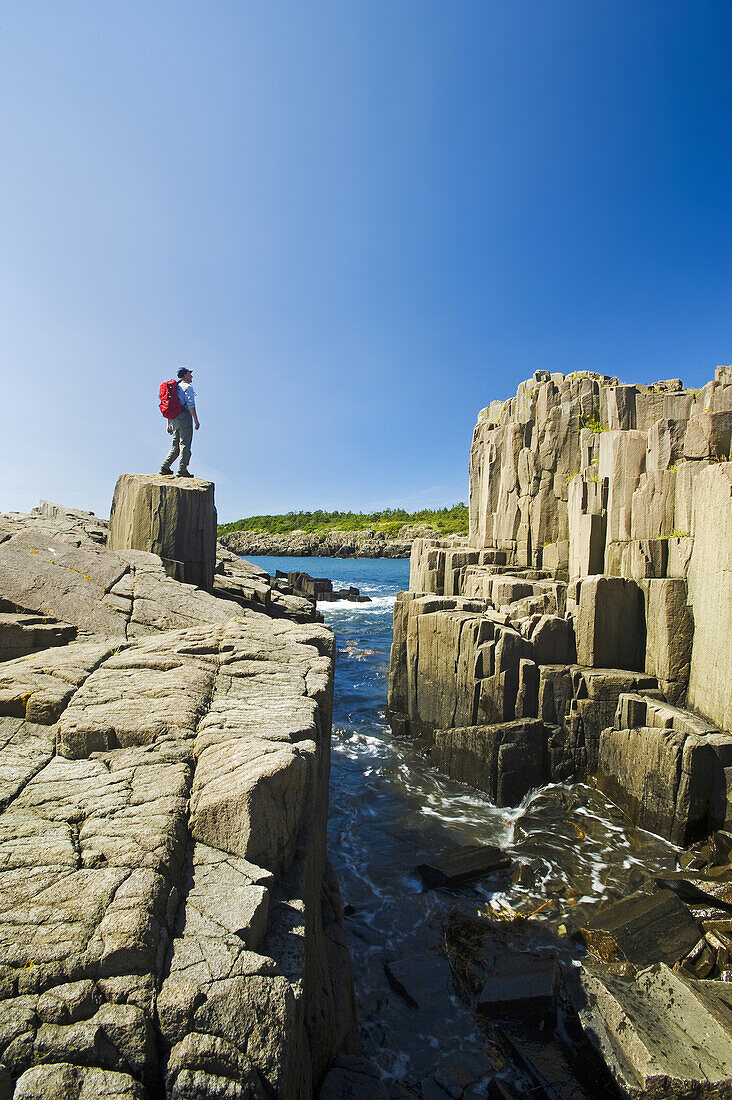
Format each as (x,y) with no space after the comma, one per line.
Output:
(378,604)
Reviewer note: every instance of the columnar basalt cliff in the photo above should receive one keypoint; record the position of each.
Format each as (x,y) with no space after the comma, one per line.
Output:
(582,629)
(169,923)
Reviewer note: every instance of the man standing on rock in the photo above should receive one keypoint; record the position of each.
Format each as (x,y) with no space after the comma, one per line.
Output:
(181,426)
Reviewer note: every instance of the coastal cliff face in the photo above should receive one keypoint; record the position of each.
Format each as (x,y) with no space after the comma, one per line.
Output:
(581,630)
(169,924)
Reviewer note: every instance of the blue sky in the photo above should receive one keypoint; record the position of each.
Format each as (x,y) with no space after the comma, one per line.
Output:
(357,221)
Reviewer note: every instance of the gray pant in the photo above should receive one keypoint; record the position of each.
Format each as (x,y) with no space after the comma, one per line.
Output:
(182,426)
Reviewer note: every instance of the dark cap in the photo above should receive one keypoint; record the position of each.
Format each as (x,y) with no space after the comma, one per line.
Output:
(184,370)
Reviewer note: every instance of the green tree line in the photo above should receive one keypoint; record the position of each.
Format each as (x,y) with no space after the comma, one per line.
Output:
(448,521)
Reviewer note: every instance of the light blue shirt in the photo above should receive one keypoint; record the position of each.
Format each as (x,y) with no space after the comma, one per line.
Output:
(187,395)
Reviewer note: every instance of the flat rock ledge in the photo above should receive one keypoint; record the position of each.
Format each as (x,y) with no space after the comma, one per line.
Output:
(169,925)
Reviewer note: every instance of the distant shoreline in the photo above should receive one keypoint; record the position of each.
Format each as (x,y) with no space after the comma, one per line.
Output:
(333,544)
(386,534)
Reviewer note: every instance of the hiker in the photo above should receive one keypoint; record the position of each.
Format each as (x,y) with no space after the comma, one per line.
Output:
(181,426)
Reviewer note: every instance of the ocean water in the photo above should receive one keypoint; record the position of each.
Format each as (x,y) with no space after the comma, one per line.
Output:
(390,811)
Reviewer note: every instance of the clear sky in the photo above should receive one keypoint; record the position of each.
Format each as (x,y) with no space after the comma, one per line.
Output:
(357,221)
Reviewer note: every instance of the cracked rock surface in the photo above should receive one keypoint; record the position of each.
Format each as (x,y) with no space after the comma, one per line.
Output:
(168,923)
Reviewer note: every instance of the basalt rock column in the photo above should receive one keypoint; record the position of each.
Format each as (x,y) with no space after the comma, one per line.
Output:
(174,518)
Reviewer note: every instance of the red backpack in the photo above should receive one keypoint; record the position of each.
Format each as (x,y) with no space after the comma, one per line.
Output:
(170,405)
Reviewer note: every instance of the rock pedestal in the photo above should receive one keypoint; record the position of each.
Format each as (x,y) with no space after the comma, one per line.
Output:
(174,518)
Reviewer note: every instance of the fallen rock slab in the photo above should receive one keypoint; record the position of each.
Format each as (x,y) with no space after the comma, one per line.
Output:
(21,633)
(642,929)
(522,986)
(420,979)
(698,890)
(469,863)
(662,1035)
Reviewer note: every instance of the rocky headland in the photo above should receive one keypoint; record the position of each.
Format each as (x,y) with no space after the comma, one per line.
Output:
(331,544)
(581,632)
(170,925)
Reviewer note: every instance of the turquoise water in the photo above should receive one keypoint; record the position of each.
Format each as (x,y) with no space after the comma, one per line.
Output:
(390,811)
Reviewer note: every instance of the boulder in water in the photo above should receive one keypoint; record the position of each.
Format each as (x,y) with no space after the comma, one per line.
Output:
(464,865)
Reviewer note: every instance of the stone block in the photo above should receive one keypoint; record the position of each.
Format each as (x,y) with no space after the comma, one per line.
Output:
(661,1034)
(421,980)
(74,1082)
(456,562)
(353,1078)
(426,567)
(708,436)
(506,590)
(710,595)
(639,769)
(528,687)
(441,654)
(617,407)
(21,634)
(505,760)
(397,710)
(721,398)
(249,799)
(666,768)
(641,929)
(679,556)
(522,987)
(41,572)
(669,629)
(555,557)
(172,518)
(653,506)
(609,623)
(665,444)
(644,558)
(464,865)
(553,640)
(622,459)
(656,405)
(587,546)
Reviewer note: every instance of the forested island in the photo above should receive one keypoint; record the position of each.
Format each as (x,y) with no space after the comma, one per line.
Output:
(388,533)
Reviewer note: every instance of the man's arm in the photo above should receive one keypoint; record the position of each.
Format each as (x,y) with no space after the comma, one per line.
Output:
(194,414)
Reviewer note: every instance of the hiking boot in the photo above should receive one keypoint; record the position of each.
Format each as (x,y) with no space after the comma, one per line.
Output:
(165,472)
(185,473)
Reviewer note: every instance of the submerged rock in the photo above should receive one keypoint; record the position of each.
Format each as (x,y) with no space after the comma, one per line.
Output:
(521,986)
(467,864)
(353,1078)
(421,980)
